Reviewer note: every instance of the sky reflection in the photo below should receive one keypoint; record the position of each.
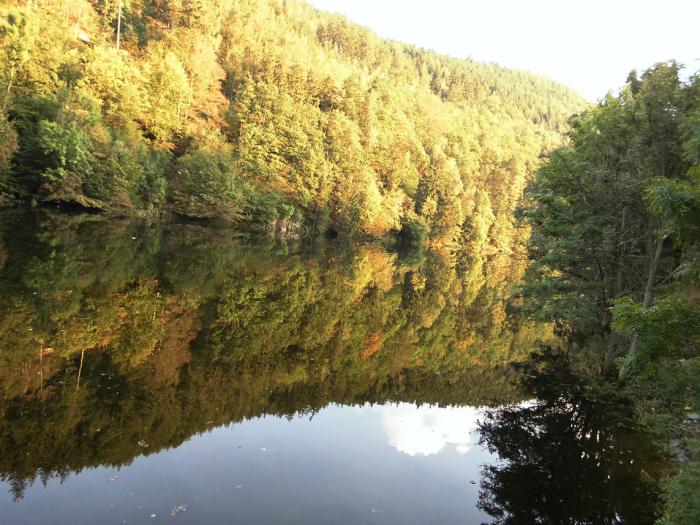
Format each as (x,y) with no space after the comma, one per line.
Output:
(428,430)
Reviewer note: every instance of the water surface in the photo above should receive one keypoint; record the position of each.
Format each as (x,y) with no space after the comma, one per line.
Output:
(179,373)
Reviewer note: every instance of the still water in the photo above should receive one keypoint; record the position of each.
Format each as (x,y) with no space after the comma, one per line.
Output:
(176,373)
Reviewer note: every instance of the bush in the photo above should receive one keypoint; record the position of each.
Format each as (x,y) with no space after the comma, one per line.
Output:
(204,185)
(682,494)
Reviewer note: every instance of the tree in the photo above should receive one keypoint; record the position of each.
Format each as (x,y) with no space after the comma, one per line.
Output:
(594,238)
(18,32)
(273,77)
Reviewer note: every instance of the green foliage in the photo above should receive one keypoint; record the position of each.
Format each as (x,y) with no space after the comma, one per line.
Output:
(357,134)
(204,185)
(8,147)
(67,150)
(677,205)
(142,172)
(682,502)
(18,33)
(414,230)
(595,207)
(169,93)
(615,219)
(670,326)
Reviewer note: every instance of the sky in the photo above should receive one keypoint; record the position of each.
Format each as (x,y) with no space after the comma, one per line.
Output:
(588,45)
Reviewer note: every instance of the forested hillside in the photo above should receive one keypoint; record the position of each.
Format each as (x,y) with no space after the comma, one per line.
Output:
(266,113)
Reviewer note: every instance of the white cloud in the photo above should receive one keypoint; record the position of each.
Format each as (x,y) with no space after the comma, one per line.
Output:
(424,431)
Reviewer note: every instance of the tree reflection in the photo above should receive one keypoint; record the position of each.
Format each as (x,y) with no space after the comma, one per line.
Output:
(566,457)
(118,338)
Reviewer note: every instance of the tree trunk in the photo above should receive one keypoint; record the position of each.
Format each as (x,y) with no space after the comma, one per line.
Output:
(611,337)
(8,93)
(119,24)
(80,370)
(41,369)
(609,353)
(646,303)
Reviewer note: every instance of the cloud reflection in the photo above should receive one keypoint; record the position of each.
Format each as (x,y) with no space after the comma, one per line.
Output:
(427,430)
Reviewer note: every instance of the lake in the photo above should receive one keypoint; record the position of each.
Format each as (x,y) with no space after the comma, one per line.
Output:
(172,372)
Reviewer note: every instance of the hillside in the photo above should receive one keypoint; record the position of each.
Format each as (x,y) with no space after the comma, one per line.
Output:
(266,113)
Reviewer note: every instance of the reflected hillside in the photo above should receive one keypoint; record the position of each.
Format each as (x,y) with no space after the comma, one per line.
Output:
(119,338)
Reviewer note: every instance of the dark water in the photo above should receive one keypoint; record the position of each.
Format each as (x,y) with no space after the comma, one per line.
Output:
(178,374)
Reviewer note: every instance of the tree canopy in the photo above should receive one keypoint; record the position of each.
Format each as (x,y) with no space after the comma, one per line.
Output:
(265,113)
(615,218)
